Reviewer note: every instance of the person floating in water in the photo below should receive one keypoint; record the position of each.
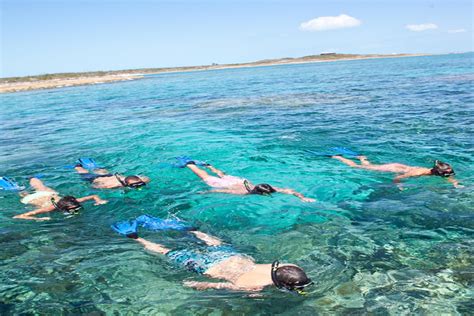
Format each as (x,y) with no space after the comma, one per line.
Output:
(47,200)
(217,260)
(100,178)
(233,185)
(441,169)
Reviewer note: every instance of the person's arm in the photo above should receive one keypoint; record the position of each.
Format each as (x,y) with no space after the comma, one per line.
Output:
(31,215)
(397,179)
(293,192)
(454,182)
(96,198)
(228,191)
(213,285)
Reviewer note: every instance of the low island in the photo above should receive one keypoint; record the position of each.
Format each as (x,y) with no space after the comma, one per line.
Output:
(58,80)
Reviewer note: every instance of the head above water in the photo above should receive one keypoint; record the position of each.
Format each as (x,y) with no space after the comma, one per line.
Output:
(262,189)
(67,204)
(133,182)
(289,277)
(442,169)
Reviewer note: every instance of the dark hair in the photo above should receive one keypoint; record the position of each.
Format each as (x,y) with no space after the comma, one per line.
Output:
(289,277)
(131,181)
(442,169)
(262,189)
(67,204)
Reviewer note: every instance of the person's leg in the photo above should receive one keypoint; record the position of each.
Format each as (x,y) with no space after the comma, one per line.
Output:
(347,161)
(81,170)
(209,240)
(364,161)
(216,171)
(199,172)
(152,246)
(101,171)
(38,185)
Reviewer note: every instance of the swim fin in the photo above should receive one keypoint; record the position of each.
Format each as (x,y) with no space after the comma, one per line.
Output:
(88,163)
(127,228)
(183,161)
(344,151)
(156,224)
(8,184)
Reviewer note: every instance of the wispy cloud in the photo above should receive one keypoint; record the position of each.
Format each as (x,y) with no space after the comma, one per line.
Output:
(421,27)
(457,31)
(324,23)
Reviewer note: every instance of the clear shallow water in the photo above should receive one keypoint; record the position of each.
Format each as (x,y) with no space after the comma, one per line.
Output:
(369,247)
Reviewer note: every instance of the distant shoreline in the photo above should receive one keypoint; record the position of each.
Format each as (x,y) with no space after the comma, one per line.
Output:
(52,81)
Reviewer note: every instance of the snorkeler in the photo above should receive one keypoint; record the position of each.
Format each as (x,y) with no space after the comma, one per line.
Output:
(47,200)
(439,168)
(217,260)
(231,184)
(100,178)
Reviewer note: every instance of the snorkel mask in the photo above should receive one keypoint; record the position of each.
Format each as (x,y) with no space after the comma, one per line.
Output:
(74,209)
(261,189)
(136,185)
(442,169)
(296,287)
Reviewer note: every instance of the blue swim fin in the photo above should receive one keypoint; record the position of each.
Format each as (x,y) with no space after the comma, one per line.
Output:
(88,163)
(344,151)
(8,184)
(155,223)
(127,228)
(183,161)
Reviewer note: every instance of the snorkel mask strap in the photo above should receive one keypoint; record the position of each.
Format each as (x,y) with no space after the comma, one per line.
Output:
(295,289)
(274,268)
(123,183)
(247,186)
(66,211)
(53,201)
(437,171)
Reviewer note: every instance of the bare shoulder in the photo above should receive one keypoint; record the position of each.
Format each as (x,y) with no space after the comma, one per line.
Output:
(419,171)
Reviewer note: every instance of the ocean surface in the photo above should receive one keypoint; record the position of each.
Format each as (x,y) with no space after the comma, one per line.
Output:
(369,247)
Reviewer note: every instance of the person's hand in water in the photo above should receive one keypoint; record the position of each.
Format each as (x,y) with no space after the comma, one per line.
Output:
(308,200)
(195,285)
(100,202)
(41,219)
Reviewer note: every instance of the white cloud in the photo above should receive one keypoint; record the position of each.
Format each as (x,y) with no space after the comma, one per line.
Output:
(421,27)
(324,23)
(457,31)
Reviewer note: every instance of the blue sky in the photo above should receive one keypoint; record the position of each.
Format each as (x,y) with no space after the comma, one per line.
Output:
(48,36)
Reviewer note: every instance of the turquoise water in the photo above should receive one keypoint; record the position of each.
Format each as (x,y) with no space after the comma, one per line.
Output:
(369,247)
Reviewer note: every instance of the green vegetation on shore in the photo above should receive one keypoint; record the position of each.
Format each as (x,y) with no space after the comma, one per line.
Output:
(287,60)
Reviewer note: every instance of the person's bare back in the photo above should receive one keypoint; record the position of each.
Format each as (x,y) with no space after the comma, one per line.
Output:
(223,183)
(404,171)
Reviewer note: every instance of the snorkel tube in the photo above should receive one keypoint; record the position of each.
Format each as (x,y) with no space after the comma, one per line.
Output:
(261,189)
(442,169)
(136,185)
(296,286)
(71,207)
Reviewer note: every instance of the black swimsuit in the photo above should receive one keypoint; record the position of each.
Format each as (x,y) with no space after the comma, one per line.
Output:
(90,177)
